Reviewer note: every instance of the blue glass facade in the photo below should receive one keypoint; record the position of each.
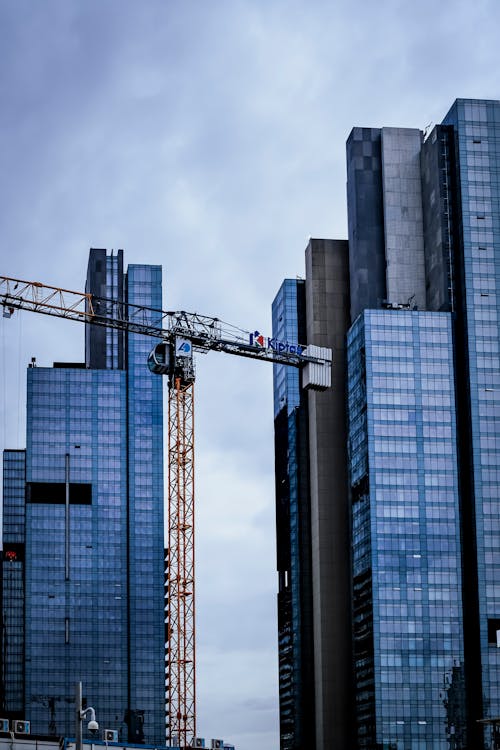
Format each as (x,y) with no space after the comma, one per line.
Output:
(12,584)
(475,145)
(145,508)
(296,684)
(76,595)
(407,584)
(288,311)
(94,557)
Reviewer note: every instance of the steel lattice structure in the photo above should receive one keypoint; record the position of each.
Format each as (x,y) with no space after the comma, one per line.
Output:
(181,687)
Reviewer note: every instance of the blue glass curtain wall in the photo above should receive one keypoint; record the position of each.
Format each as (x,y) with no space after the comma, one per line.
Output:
(408,623)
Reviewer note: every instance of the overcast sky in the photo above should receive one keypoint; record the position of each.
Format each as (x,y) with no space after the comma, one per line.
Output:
(209,137)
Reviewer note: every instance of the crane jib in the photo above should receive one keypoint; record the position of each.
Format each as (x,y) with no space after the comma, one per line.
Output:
(196,332)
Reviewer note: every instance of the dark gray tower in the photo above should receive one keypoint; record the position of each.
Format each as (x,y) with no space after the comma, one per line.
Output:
(327,316)
(105,347)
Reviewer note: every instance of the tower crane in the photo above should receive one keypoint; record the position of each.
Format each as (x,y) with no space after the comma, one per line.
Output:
(179,334)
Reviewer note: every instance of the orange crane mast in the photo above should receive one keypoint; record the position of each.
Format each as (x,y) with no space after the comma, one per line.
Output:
(179,334)
(181,673)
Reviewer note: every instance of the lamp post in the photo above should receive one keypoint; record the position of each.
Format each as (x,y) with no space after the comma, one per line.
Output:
(81,714)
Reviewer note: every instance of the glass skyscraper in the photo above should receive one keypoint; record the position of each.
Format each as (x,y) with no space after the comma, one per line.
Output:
(296,684)
(422,445)
(474,128)
(83,510)
(408,617)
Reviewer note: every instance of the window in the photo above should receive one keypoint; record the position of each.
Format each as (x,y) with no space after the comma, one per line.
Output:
(494,631)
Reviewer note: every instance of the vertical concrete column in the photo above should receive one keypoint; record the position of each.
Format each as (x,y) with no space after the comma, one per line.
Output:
(327,306)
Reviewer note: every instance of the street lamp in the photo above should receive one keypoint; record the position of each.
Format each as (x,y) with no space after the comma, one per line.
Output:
(81,714)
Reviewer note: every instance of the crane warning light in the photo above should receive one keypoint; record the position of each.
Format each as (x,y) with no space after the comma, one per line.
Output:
(263,342)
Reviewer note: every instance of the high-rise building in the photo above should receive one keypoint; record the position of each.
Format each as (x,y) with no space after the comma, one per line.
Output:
(313,559)
(296,673)
(408,635)
(83,572)
(327,315)
(421,447)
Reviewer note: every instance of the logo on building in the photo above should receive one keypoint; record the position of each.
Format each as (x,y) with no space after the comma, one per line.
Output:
(263,342)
